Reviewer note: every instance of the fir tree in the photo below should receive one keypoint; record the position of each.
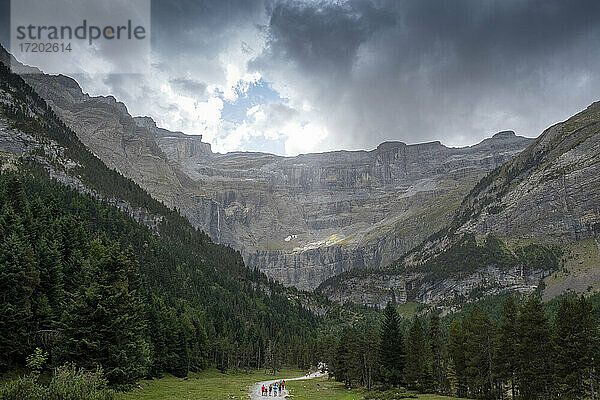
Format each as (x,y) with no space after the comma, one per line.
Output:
(106,322)
(19,278)
(479,333)
(575,343)
(506,357)
(437,351)
(535,351)
(456,351)
(391,347)
(418,370)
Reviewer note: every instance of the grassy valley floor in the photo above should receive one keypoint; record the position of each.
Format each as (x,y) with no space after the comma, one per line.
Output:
(213,385)
(207,385)
(322,389)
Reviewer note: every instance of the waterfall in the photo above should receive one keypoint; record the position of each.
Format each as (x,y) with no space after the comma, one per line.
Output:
(218,224)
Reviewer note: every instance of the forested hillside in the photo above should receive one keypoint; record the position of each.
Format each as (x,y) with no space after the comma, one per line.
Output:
(84,281)
(528,350)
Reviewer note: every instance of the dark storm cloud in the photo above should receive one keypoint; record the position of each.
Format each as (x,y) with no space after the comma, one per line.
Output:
(323,36)
(374,70)
(424,70)
(183,27)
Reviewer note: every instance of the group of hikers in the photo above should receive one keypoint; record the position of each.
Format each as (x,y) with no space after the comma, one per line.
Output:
(273,388)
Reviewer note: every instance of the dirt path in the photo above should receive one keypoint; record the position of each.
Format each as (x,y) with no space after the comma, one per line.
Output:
(255,393)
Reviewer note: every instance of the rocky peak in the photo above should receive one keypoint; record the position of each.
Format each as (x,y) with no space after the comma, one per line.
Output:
(504,134)
(112,101)
(392,145)
(145,122)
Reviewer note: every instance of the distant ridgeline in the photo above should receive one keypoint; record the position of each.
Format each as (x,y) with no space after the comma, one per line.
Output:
(99,273)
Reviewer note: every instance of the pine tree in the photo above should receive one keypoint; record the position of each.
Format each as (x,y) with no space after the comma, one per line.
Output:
(479,333)
(367,353)
(106,323)
(392,353)
(575,341)
(51,275)
(535,351)
(506,357)
(19,278)
(437,351)
(418,372)
(327,348)
(456,351)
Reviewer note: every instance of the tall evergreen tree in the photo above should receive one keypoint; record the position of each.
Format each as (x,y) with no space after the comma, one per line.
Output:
(535,351)
(437,351)
(106,323)
(418,371)
(327,348)
(456,352)
(506,357)
(392,353)
(350,358)
(479,334)
(575,341)
(19,278)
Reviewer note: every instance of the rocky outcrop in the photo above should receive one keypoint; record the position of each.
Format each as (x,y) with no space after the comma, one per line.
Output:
(377,288)
(176,145)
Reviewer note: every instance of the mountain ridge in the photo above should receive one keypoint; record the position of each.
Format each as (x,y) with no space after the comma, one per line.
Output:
(530,224)
(299,219)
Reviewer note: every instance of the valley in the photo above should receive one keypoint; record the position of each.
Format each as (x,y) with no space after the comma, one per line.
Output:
(300,220)
(137,262)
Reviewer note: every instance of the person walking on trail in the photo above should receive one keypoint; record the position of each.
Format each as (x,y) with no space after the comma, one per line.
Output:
(270,389)
(263,390)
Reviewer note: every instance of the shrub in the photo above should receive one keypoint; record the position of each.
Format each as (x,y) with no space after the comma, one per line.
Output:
(68,383)
(72,383)
(25,388)
(37,360)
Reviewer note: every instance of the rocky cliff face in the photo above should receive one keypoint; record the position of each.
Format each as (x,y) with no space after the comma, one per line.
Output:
(549,195)
(104,126)
(303,219)
(377,288)
(299,219)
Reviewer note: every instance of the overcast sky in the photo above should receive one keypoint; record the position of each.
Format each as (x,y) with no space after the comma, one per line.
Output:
(292,77)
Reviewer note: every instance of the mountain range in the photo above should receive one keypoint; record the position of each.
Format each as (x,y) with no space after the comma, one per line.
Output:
(370,226)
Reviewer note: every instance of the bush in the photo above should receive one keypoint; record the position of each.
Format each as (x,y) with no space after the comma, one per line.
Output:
(68,383)
(37,360)
(71,383)
(25,388)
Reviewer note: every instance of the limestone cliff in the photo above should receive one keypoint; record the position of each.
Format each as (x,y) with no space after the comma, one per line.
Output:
(544,205)
(299,219)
